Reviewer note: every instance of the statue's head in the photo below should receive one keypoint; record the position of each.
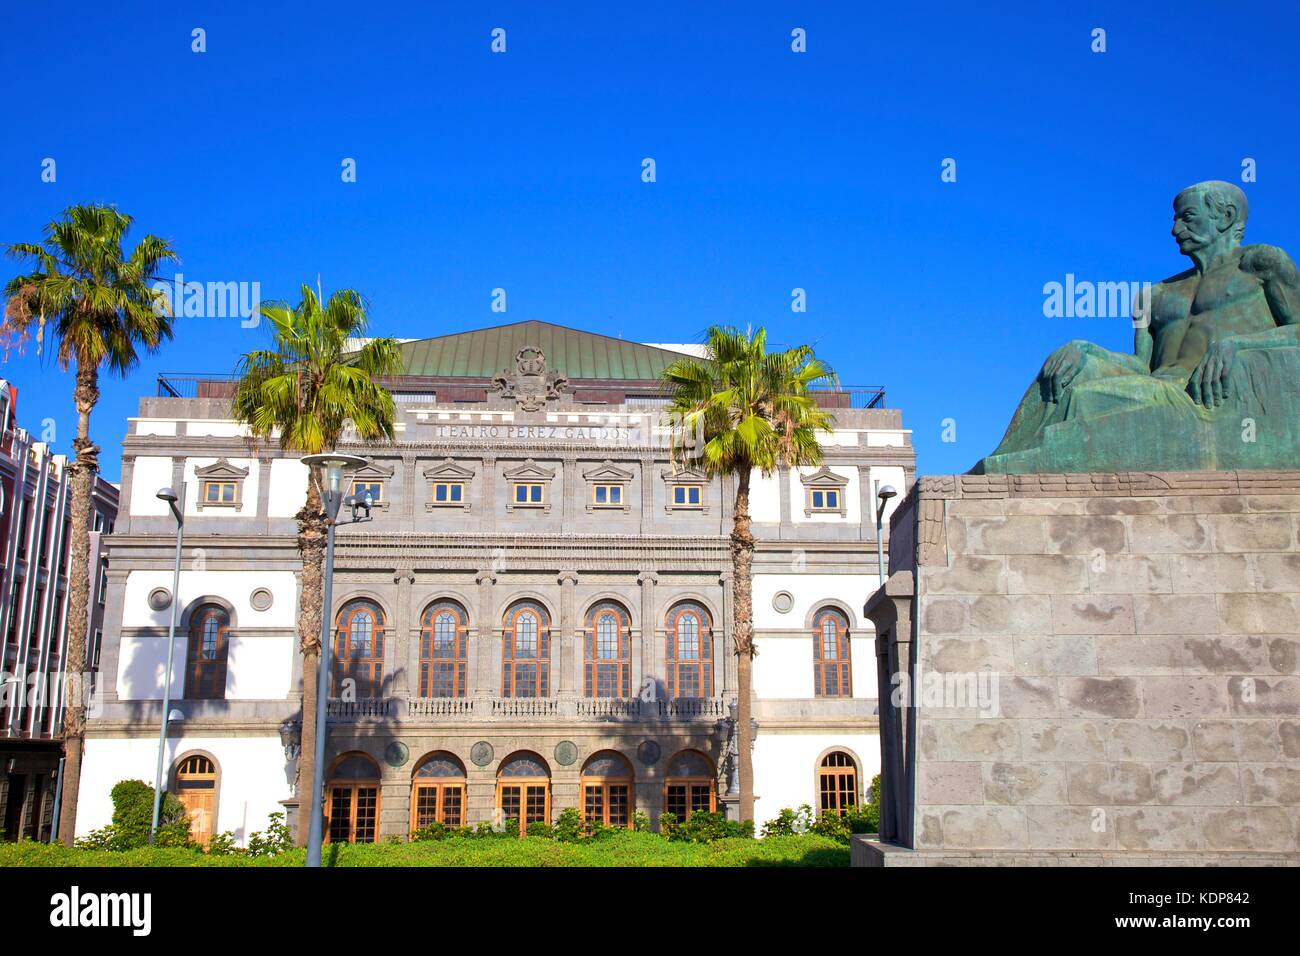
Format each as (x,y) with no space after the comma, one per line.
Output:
(1207,214)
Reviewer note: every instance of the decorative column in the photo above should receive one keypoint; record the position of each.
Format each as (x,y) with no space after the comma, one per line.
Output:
(647,498)
(488,504)
(724,637)
(784,492)
(568,657)
(412,490)
(866,494)
(403,656)
(264,489)
(649,634)
(486,636)
(570,490)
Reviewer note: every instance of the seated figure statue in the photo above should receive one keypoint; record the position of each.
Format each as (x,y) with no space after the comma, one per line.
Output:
(1214,381)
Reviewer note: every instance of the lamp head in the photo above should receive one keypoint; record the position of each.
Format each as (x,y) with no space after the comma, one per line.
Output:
(167,495)
(886,492)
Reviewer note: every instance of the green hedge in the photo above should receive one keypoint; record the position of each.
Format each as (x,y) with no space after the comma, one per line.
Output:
(613,848)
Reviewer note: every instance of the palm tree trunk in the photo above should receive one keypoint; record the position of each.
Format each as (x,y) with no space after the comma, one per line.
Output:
(311,547)
(742,559)
(85,395)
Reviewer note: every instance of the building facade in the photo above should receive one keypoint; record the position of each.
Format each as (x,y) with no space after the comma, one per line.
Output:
(535,616)
(35,490)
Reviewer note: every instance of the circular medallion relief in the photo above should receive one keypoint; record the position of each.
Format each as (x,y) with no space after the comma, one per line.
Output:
(648,753)
(160,599)
(481,753)
(783,601)
(396,754)
(566,752)
(261,599)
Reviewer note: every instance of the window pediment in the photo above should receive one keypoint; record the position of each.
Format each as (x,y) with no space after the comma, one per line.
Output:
(445,475)
(221,469)
(221,485)
(529,473)
(684,477)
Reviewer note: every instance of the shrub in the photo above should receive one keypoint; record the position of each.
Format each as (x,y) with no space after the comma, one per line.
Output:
(273,841)
(790,822)
(132,816)
(539,830)
(568,826)
(641,821)
(431,831)
(223,844)
(703,827)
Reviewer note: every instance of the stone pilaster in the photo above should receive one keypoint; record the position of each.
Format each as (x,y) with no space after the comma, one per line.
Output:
(568,660)
(489,503)
(487,635)
(648,661)
(403,653)
(724,639)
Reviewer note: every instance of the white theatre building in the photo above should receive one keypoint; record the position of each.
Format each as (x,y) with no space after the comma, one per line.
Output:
(537,616)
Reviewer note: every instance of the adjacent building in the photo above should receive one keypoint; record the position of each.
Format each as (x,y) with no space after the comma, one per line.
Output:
(35,490)
(537,614)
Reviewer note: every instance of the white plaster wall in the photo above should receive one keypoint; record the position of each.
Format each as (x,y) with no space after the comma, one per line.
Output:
(252,777)
(147,476)
(233,586)
(153,426)
(784,666)
(259,668)
(216,428)
(194,488)
(765,497)
(809,591)
(877,438)
(799,497)
(288,488)
(785,768)
(882,475)
(840,437)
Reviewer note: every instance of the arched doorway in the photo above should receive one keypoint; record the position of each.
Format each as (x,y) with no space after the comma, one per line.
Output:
(196,788)
(607,780)
(438,791)
(524,789)
(352,807)
(690,786)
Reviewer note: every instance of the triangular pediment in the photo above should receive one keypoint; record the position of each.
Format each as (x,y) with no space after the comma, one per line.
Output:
(448,470)
(372,472)
(221,470)
(529,470)
(823,478)
(608,471)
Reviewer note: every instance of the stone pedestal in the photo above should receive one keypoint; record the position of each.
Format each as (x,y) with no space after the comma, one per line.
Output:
(1103,668)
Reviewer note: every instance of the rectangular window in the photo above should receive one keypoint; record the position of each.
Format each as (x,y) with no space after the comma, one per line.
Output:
(607,496)
(527,493)
(375,489)
(688,496)
(824,499)
(219,492)
(448,492)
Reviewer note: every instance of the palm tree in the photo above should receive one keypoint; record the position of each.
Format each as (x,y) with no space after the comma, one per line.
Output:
(750,409)
(304,389)
(102,306)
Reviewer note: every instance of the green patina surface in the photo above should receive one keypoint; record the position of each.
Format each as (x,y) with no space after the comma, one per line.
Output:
(574,354)
(1214,379)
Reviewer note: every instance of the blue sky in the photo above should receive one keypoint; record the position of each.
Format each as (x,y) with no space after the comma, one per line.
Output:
(775,170)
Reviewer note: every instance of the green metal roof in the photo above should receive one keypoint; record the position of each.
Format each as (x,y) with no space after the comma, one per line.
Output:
(574,354)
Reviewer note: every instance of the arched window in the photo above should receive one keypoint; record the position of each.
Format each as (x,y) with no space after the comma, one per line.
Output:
(526,651)
(359,648)
(837,782)
(607,789)
(831,675)
(438,792)
(690,786)
(690,651)
(352,810)
(444,656)
(607,642)
(196,788)
(205,659)
(524,789)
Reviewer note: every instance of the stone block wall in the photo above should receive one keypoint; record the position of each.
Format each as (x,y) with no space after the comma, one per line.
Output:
(1140,639)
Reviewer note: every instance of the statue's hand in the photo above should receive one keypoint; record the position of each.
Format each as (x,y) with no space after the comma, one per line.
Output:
(1060,369)
(1208,385)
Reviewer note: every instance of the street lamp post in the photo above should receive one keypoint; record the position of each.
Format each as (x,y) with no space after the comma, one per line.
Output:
(332,496)
(172,499)
(883,494)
